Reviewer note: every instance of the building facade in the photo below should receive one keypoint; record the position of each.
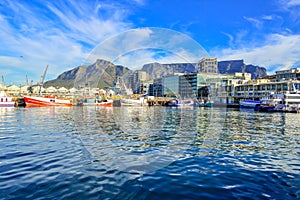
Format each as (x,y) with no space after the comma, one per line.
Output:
(136,79)
(208,65)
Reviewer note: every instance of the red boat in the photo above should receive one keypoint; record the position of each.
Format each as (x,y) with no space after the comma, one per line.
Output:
(46,101)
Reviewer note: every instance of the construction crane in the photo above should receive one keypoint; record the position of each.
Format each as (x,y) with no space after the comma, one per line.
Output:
(26,83)
(41,82)
(3,83)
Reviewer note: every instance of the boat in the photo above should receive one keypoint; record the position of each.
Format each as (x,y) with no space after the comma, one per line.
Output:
(180,103)
(45,101)
(292,102)
(6,100)
(95,102)
(249,103)
(133,102)
(270,103)
(205,104)
(202,103)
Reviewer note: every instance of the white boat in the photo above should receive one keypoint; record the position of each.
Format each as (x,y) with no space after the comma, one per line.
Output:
(292,102)
(133,102)
(46,101)
(5,100)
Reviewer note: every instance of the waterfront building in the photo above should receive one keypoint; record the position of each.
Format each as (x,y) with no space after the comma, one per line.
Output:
(13,90)
(51,90)
(188,85)
(157,88)
(170,85)
(208,65)
(291,74)
(282,82)
(136,79)
(146,87)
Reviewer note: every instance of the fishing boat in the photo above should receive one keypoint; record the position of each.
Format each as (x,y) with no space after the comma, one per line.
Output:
(6,100)
(45,101)
(95,102)
(249,103)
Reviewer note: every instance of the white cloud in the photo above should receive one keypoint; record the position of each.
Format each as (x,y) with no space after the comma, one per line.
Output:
(148,40)
(58,33)
(278,52)
(255,22)
(292,3)
(292,7)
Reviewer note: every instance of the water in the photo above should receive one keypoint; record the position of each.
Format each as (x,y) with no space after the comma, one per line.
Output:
(148,153)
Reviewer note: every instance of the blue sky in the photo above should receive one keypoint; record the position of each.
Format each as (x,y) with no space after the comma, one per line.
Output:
(69,33)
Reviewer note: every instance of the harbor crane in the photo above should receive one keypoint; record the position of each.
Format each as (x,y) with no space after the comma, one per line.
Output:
(41,82)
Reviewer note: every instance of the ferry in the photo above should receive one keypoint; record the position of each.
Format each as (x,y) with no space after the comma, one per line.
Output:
(292,102)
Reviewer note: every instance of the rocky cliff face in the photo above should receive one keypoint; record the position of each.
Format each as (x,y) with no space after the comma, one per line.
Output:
(100,74)
(232,66)
(156,70)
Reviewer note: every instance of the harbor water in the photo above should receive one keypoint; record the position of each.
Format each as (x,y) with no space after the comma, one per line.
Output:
(86,152)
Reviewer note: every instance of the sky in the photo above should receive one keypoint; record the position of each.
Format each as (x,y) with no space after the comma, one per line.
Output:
(65,34)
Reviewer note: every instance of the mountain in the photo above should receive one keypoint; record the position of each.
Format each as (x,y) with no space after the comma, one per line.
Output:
(100,74)
(104,73)
(156,70)
(232,66)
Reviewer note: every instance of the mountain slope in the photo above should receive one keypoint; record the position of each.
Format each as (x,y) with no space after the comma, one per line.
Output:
(100,74)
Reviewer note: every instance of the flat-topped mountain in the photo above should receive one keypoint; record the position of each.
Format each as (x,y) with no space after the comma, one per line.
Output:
(104,73)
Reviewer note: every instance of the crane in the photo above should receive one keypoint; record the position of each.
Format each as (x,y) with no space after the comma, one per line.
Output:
(40,84)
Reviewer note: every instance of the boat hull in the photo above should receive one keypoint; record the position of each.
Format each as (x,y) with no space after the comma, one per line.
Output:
(7,104)
(6,101)
(133,102)
(208,104)
(249,104)
(45,101)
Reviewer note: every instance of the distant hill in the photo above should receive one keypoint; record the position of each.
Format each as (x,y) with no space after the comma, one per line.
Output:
(100,74)
(104,73)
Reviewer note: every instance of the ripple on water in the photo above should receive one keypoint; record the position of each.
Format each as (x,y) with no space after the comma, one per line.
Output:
(148,153)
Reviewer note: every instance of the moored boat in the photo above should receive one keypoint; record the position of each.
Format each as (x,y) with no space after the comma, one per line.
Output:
(249,103)
(133,102)
(271,103)
(46,101)
(94,102)
(6,100)
(202,103)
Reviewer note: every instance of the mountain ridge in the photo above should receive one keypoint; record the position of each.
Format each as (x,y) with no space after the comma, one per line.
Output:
(104,73)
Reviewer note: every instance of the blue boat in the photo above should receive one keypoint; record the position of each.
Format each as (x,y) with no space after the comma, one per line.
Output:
(249,103)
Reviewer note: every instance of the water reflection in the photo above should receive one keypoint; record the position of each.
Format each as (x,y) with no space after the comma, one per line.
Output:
(133,152)
(144,139)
